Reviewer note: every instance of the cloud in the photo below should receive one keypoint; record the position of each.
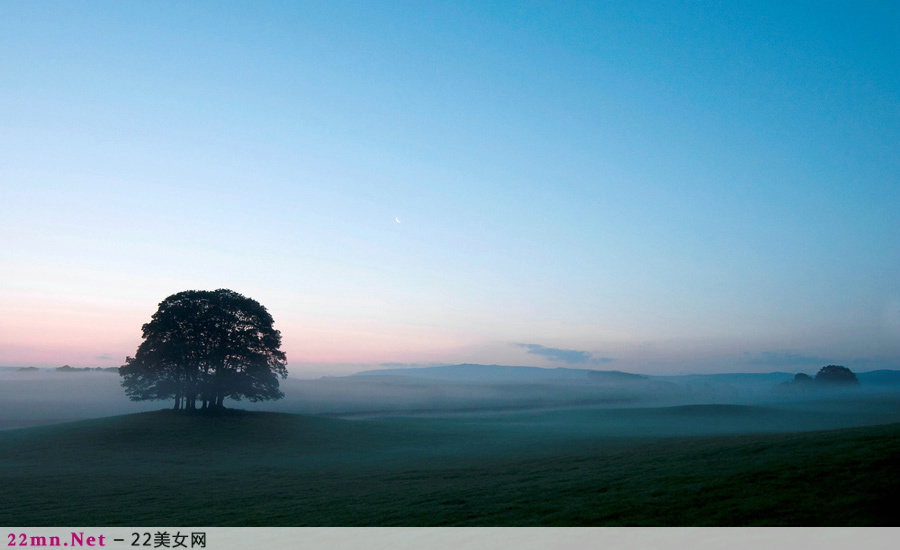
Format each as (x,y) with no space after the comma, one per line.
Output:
(784,358)
(570,356)
(104,357)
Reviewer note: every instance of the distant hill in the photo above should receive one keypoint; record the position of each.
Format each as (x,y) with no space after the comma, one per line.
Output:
(615,376)
(502,373)
(882,377)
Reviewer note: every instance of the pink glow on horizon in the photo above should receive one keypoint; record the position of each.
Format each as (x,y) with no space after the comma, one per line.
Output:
(367,343)
(53,332)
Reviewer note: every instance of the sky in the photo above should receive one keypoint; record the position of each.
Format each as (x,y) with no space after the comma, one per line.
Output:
(652,187)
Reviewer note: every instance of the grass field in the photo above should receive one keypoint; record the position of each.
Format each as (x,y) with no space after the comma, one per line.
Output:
(267,469)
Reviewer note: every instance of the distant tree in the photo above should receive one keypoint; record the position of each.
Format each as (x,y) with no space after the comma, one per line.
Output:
(836,374)
(801,378)
(67,368)
(206,345)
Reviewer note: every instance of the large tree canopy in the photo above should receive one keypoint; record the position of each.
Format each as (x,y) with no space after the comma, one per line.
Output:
(206,345)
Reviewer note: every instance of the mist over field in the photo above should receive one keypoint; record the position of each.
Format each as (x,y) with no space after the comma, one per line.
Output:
(602,402)
(456,445)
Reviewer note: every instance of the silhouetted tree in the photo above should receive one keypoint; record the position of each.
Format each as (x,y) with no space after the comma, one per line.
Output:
(801,378)
(836,374)
(206,345)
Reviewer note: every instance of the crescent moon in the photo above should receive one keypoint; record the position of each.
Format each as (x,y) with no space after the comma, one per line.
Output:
(397,219)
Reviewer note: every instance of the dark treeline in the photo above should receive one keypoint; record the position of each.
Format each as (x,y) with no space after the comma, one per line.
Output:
(830,375)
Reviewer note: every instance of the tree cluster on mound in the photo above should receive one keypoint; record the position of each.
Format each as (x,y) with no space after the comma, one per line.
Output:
(205,346)
(828,376)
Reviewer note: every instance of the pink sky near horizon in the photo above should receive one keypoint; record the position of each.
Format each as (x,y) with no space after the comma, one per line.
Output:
(99,329)
(50,330)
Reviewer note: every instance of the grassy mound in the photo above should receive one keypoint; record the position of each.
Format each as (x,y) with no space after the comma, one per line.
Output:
(248,469)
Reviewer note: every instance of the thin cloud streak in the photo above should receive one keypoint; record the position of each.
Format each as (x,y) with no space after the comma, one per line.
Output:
(569,356)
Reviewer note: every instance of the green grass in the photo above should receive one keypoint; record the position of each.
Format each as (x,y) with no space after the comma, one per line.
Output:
(266,469)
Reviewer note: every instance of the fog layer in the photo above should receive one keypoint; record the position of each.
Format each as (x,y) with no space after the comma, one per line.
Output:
(611,402)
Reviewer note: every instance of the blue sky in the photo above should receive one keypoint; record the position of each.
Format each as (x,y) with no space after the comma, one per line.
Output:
(648,187)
